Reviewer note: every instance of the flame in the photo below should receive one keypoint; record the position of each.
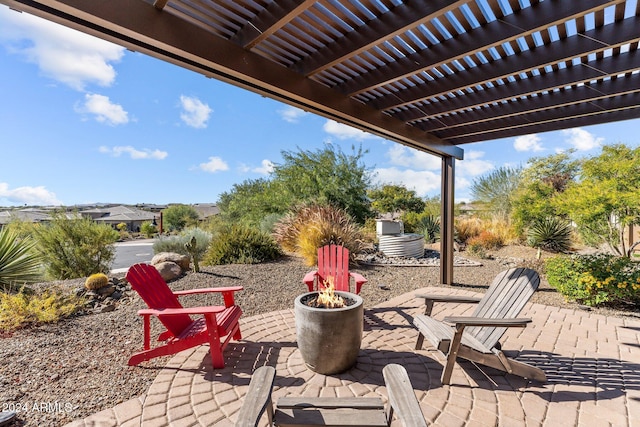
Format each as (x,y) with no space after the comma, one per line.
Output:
(327,296)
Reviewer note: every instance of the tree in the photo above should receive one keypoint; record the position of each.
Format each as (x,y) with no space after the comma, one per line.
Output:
(496,189)
(251,201)
(541,180)
(177,217)
(606,198)
(395,198)
(327,176)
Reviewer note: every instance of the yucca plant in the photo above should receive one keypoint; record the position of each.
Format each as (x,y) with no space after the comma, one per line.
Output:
(430,228)
(19,262)
(551,233)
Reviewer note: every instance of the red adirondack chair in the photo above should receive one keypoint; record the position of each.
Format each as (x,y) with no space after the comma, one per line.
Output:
(217,326)
(333,261)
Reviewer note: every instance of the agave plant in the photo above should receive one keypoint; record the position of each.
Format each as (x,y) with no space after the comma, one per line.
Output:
(551,233)
(19,262)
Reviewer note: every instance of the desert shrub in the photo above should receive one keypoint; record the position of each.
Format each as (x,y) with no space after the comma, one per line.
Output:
(505,231)
(319,233)
(487,240)
(551,234)
(73,248)
(19,261)
(177,243)
(595,279)
(309,227)
(466,228)
(22,308)
(238,244)
(96,281)
(483,242)
(477,250)
(148,229)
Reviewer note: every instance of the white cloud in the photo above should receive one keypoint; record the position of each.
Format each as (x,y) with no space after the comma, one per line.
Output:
(194,113)
(292,114)
(104,110)
(215,164)
(422,182)
(65,55)
(28,195)
(581,139)
(342,131)
(473,167)
(402,156)
(134,153)
(420,171)
(265,168)
(528,143)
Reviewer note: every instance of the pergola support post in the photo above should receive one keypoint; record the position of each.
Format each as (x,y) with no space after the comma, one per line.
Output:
(446,221)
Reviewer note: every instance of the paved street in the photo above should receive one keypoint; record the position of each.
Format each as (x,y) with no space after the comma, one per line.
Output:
(132,252)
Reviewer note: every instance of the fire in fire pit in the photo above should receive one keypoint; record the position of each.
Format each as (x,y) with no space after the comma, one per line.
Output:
(327,298)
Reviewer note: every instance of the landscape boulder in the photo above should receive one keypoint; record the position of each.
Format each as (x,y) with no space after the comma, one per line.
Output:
(168,270)
(182,260)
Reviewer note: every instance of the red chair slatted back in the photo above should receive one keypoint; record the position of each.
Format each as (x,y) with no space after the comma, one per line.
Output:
(152,288)
(333,261)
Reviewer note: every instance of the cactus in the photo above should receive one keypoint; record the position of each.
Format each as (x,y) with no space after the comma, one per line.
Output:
(96,281)
(192,248)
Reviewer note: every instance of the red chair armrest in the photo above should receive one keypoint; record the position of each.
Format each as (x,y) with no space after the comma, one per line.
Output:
(359,279)
(176,311)
(227,293)
(208,290)
(309,279)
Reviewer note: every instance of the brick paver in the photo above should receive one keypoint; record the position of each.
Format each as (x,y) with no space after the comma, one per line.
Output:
(592,364)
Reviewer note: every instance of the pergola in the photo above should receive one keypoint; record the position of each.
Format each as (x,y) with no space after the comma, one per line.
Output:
(432,75)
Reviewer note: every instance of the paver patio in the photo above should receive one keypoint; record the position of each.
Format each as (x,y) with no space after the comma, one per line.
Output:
(592,363)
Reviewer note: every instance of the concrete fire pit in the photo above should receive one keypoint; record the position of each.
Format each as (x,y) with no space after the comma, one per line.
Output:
(329,338)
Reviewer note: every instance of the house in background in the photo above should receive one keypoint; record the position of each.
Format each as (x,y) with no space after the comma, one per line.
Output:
(115,215)
(26,215)
(205,210)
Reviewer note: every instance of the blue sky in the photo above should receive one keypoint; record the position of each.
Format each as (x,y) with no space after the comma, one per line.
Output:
(85,121)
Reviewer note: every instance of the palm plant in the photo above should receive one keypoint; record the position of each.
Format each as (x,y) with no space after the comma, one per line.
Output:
(19,262)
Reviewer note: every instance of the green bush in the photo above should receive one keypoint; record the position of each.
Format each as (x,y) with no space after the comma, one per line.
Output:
(551,234)
(19,261)
(73,248)
(177,217)
(595,279)
(177,243)
(239,244)
(148,229)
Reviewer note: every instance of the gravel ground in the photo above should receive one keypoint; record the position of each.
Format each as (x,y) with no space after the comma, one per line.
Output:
(53,374)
